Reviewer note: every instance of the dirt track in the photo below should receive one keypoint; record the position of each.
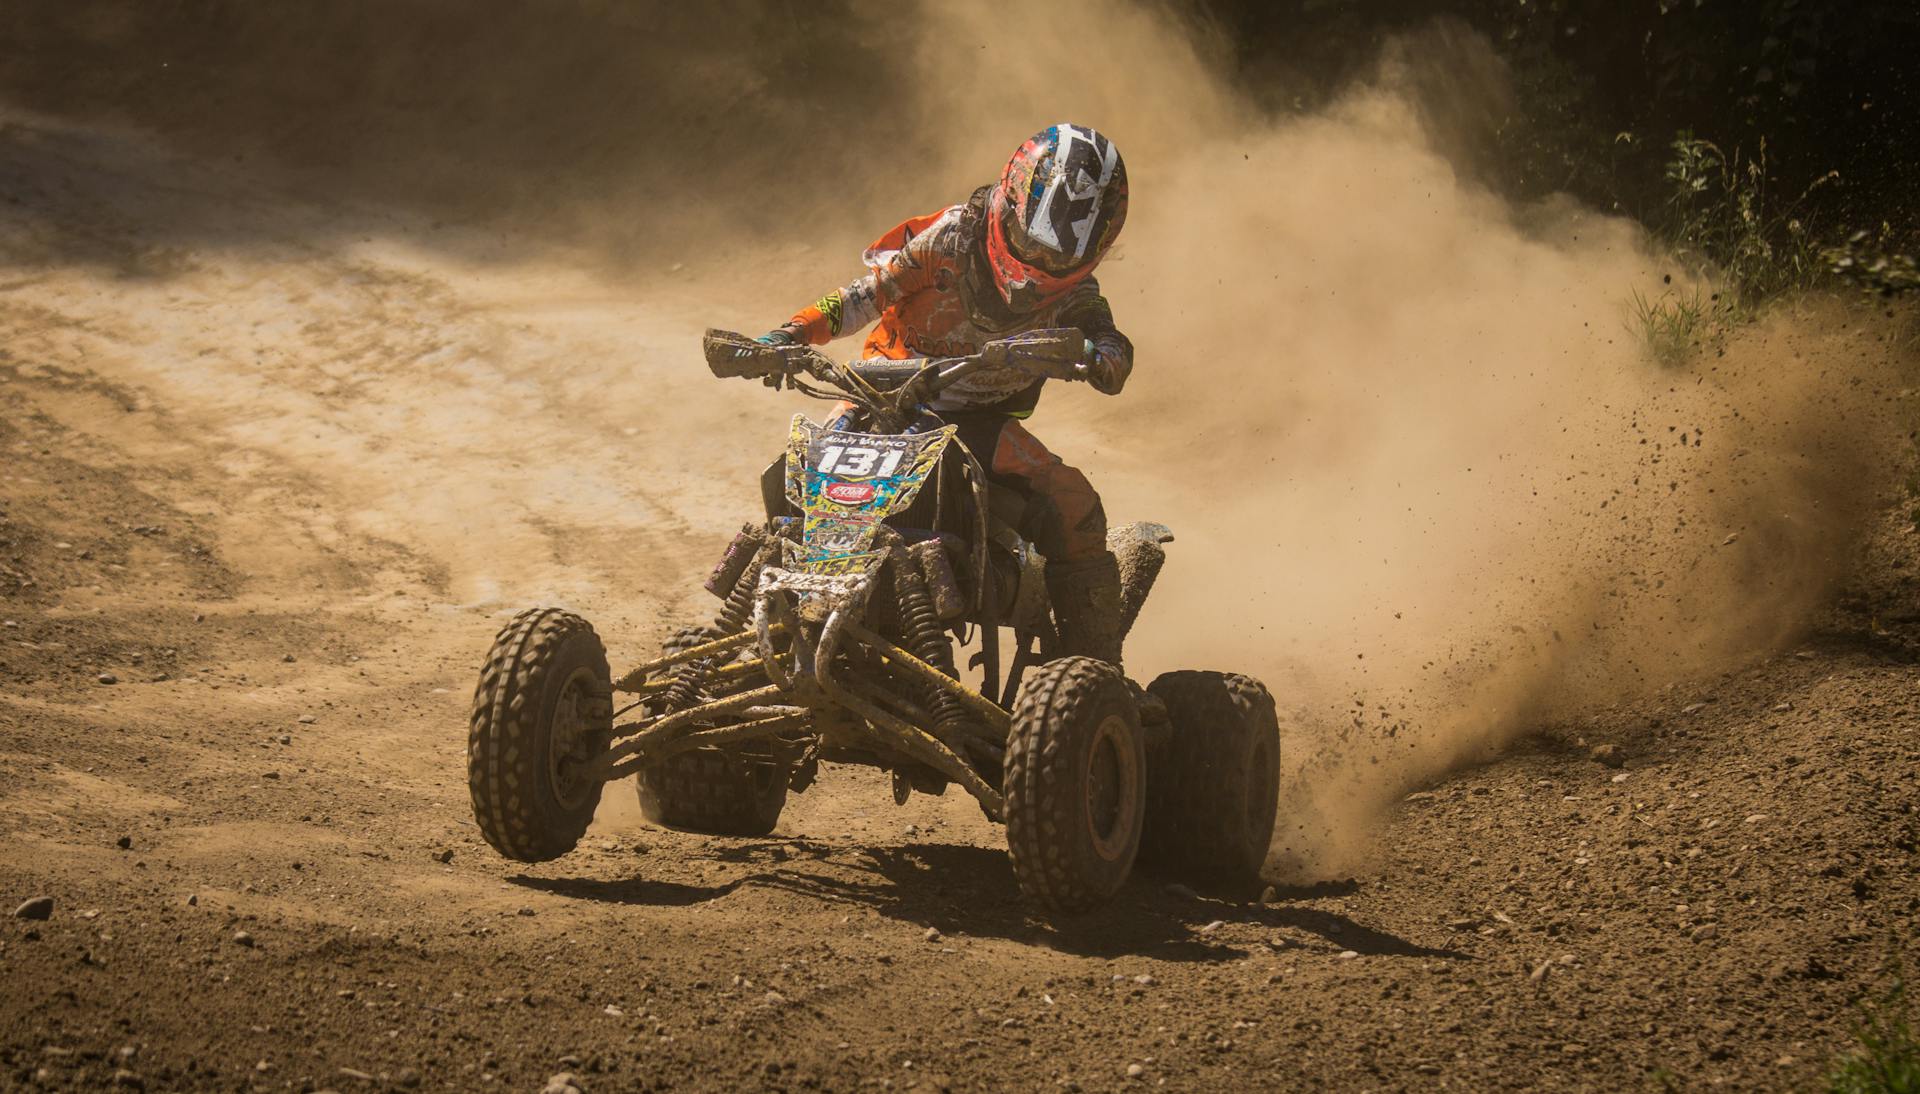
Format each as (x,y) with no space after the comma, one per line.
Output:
(282,492)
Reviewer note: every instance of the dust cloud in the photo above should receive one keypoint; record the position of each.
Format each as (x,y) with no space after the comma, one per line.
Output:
(1425,482)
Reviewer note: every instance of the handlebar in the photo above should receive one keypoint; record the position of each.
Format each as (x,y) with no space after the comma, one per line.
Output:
(1054,354)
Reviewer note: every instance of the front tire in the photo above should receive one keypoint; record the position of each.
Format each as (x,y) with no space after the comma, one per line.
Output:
(544,704)
(1215,783)
(1075,786)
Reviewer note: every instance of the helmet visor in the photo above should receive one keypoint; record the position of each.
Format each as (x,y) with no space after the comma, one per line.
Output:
(1033,252)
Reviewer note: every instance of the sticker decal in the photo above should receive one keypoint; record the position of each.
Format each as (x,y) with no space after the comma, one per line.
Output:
(849,493)
(1070,202)
(847,484)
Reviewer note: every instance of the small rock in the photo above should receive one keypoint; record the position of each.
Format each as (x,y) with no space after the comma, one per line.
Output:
(525,911)
(270,775)
(242,938)
(1144,980)
(285,740)
(288,658)
(125,843)
(932,935)
(107,678)
(569,1061)
(1608,755)
(1620,778)
(443,856)
(1134,1071)
(1348,955)
(1755,818)
(1782,707)
(1705,932)
(774,999)
(307,719)
(406,1077)
(1804,655)
(39,907)
(564,1083)
(1540,971)
(1269,895)
(1693,708)
(128,1079)
(1214,926)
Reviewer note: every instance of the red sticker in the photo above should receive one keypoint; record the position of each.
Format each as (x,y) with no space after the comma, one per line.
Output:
(849,493)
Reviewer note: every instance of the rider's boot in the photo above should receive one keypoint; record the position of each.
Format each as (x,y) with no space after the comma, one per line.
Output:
(1086,606)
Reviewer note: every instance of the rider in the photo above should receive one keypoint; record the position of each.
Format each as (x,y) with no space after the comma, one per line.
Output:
(1016,256)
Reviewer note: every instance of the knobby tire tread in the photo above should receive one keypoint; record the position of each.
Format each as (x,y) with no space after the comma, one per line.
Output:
(709,791)
(500,781)
(1193,829)
(1039,818)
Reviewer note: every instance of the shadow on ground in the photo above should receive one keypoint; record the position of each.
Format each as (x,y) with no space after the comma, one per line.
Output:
(965,890)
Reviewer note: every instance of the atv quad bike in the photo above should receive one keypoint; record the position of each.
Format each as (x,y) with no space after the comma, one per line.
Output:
(883,544)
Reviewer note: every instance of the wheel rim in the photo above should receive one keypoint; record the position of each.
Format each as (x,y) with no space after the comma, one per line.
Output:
(1112,781)
(572,740)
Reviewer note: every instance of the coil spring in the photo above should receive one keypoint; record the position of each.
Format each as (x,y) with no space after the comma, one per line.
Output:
(731,620)
(927,639)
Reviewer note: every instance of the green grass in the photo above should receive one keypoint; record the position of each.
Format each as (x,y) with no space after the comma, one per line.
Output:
(1676,325)
(1723,226)
(1888,1059)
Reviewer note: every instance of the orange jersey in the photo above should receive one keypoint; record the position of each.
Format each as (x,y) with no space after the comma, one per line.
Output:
(932,297)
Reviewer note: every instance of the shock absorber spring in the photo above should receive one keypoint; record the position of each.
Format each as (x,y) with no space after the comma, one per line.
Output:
(920,626)
(732,618)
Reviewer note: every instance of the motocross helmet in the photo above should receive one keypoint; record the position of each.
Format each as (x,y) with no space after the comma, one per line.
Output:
(1056,209)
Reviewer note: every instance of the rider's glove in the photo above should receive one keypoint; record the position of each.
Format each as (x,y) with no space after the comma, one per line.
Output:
(1099,371)
(778,336)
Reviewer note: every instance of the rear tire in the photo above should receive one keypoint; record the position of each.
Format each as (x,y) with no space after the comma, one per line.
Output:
(717,792)
(545,696)
(1075,786)
(1215,783)
(714,792)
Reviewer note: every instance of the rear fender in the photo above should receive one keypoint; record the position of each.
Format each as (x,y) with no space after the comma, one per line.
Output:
(1137,547)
